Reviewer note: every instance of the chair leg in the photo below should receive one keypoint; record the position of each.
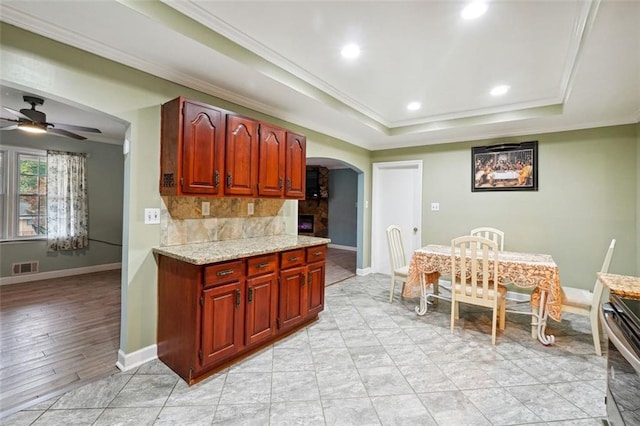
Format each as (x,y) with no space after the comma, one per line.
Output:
(393,285)
(595,332)
(503,314)
(534,323)
(453,315)
(494,322)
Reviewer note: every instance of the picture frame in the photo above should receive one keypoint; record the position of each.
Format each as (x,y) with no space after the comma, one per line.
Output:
(505,167)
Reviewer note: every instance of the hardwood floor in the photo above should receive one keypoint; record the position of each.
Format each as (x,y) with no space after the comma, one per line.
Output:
(341,264)
(55,335)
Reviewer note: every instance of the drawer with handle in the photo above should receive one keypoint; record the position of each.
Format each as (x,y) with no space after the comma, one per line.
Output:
(292,258)
(316,253)
(262,264)
(223,272)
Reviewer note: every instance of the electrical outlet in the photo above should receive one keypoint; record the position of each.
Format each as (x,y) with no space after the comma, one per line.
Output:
(250,209)
(435,207)
(206,208)
(151,216)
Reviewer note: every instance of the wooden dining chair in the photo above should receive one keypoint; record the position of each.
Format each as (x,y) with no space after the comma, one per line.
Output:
(492,234)
(474,273)
(397,258)
(587,302)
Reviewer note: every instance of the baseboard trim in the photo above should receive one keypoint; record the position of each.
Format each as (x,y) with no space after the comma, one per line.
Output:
(339,247)
(137,358)
(363,271)
(58,274)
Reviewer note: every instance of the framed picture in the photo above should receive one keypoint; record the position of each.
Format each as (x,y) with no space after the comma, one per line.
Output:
(505,167)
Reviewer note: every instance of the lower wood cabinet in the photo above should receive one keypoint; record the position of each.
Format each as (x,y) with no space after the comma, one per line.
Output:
(222,320)
(210,315)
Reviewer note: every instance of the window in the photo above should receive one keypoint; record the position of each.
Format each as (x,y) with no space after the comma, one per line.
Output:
(23,193)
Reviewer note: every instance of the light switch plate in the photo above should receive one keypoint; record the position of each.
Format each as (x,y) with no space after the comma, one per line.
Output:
(206,208)
(250,209)
(151,216)
(435,207)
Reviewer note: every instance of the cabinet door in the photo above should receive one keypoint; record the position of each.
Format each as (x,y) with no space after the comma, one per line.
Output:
(271,163)
(295,166)
(293,301)
(261,308)
(241,156)
(202,149)
(222,320)
(315,288)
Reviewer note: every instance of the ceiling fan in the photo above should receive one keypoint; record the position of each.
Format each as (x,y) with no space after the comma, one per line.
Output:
(34,121)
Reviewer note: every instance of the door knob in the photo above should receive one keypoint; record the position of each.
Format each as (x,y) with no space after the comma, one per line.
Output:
(415,230)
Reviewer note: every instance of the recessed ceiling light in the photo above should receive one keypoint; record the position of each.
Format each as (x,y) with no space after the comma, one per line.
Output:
(500,90)
(351,51)
(413,106)
(474,10)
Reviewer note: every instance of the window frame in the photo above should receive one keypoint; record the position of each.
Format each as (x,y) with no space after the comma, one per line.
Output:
(10,192)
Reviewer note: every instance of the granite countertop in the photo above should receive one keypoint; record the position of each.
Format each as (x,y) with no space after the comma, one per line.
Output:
(218,251)
(621,285)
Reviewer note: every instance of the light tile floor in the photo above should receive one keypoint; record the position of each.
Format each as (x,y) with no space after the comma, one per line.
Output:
(365,362)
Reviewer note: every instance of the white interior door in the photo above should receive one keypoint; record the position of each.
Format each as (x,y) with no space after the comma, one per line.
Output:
(396,196)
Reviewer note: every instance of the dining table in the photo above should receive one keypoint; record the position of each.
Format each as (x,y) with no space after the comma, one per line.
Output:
(537,272)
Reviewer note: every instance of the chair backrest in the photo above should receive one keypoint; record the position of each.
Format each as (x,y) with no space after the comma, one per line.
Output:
(598,288)
(472,268)
(489,233)
(396,248)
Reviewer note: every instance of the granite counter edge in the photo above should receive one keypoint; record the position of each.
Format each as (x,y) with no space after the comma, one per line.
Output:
(175,251)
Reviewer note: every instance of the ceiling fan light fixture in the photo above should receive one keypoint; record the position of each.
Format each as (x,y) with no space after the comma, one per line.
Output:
(32,128)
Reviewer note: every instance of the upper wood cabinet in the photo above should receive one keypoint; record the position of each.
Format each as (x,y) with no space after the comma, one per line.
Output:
(191,155)
(210,151)
(241,156)
(271,167)
(295,166)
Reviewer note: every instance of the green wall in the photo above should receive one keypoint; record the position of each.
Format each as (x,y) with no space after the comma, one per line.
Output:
(105,180)
(587,195)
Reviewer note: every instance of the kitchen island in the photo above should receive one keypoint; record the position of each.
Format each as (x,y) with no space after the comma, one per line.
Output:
(221,301)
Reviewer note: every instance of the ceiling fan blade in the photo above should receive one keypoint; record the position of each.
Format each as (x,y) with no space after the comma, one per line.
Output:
(12,127)
(76,128)
(16,113)
(63,132)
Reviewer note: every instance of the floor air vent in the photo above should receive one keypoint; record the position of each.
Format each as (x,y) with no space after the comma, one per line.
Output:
(24,268)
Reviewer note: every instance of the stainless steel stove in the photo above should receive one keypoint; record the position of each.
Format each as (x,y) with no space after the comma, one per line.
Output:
(621,320)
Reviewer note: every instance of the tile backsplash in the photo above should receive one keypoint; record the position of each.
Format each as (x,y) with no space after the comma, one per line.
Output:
(182,222)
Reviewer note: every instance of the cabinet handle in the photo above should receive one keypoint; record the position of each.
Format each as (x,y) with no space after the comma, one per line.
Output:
(288,184)
(237,298)
(280,183)
(303,281)
(228,180)
(225,272)
(216,181)
(250,295)
(317,253)
(262,265)
(293,259)
(310,279)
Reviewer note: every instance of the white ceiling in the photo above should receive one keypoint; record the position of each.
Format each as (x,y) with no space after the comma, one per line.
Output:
(570,63)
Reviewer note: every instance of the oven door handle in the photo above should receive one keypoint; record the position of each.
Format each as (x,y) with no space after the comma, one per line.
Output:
(617,337)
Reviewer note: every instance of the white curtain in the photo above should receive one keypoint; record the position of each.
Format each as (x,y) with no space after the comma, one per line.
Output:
(67,206)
